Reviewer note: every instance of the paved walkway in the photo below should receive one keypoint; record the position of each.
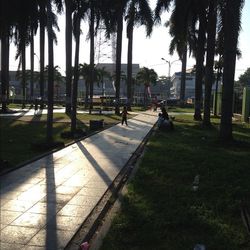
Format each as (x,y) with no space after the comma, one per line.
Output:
(44,203)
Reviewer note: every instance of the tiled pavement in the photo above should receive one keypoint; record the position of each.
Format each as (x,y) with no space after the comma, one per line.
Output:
(44,203)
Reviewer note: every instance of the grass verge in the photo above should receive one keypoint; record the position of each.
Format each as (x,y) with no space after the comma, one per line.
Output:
(161,209)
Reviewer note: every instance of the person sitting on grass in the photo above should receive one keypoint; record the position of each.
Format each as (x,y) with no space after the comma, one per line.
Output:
(160,120)
(165,123)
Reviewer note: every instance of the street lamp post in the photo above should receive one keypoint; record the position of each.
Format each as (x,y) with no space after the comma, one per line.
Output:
(169,67)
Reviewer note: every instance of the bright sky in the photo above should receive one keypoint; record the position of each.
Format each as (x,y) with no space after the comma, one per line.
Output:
(147,51)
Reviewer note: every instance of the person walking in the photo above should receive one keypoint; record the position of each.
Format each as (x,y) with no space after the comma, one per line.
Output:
(124,115)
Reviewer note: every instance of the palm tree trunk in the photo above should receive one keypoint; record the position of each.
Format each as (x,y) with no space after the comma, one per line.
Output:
(68,34)
(129,66)
(31,66)
(231,33)
(42,51)
(199,69)
(86,94)
(23,56)
(8,63)
(4,71)
(209,77)
(50,75)
(216,90)
(92,54)
(118,59)
(76,77)
(183,76)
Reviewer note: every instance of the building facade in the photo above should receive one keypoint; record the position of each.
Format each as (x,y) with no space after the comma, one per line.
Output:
(189,88)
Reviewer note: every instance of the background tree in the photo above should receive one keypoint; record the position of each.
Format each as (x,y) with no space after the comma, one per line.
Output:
(138,13)
(102,75)
(244,79)
(146,77)
(26,18)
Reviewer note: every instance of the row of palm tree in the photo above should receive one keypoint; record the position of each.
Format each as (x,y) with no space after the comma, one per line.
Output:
(207,27)
(193,26)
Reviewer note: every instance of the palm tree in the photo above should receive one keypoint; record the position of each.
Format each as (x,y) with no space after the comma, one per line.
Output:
(42,22)
(209,76)
(81,8)
(7,20)
(25,22)
(138,13)
(103,74)
(50,74)
(200,52)
(69,8)
(218,66)
(180,29)
(146,77)
(58,78)
(84,72)
(116,10)
(42,15)
(119,8)
(92,49)
(231,23)
(32,65)
(51,38)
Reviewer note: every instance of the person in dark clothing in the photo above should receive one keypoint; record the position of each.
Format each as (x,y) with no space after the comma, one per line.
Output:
(124,115)
(164,113)
(166,123)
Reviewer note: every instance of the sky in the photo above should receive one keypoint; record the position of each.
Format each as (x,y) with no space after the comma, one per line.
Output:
(146,51)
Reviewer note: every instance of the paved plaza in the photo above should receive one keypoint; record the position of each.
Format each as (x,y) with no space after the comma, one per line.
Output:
(44,203)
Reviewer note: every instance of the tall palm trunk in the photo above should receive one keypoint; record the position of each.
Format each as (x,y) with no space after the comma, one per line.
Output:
(8,75)
(118,59)
(4,70)
(42,50)
(199,68)
(216,89)
(129,66)
(92,54)
(231,33)
(68,34)
(86,94)
(23,58)
(31,66)
(76,77)
(183,76)
(209,77)
(50,75)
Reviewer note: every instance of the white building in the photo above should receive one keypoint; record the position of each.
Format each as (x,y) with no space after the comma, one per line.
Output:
(189,88)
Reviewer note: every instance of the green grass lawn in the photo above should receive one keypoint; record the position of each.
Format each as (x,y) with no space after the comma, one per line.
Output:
(161,209)
(180,110)
(18,135)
